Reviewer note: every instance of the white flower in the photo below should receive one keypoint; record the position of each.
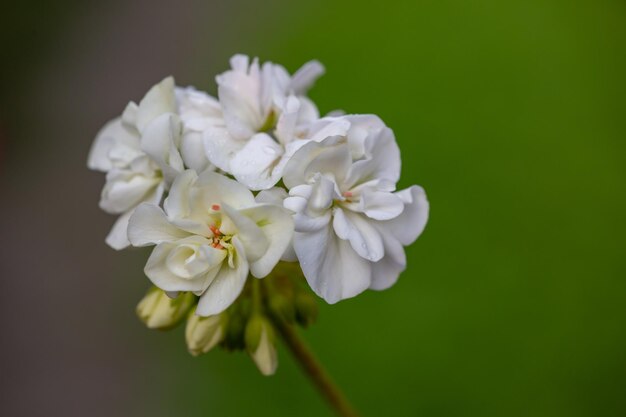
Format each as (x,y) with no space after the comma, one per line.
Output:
(263,108)
(350,225)
(141,150)
(210,235)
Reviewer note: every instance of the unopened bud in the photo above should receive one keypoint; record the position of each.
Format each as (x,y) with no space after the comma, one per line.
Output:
(234,338)
(203,333)
(158,311)
(260,342)
(283,307)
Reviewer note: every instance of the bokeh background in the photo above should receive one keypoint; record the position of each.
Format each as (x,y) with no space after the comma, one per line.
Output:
(510,113)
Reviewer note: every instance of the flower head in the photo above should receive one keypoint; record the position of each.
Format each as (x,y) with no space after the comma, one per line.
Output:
(210,234)
(350,225)
(264,108)
(227,187)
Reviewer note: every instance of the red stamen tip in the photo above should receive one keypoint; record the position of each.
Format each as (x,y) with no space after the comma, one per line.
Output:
(215,207)
(347,194)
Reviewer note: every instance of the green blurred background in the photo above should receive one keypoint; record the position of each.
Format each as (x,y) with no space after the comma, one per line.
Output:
(510,113)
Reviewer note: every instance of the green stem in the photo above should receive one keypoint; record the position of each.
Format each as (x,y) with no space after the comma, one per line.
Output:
(314,370)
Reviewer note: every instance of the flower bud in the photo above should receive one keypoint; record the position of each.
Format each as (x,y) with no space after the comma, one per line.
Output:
(260,342)
(158,311)
(203,333)
(283,307)
(306,308)
(237,317)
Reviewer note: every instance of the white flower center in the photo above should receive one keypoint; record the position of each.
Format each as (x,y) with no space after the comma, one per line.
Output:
(220,240)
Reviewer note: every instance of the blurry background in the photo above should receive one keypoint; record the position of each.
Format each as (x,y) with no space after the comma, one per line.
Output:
(510,113)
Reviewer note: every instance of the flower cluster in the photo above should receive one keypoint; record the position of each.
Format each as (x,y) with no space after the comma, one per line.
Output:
(228,187)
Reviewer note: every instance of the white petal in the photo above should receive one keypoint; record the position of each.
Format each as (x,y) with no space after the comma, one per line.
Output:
(409,225)
(239,62)
(145,166)
(216,188)
(177,202)
(308,112)
(253,164)
(220,147)
(124,190)
(192,151)
(193,256)
(117,238)
(191,216)
(254,241)
(303,190)
(363,236)
(197,109)
(335,113)
(274,196)
(361,127)
(305,223)
(381,159)
(286,125)
(323,194)
(333,160)
(280,164)
(161,275)
(239,92)
(158,100)
(385,272)
(105,140)
(242,117)
(226,286)
(124,153)
(161,140)
(294,173)
(305,77)
(327,157)
(148,226)
(332,268)
(380,205)
(295,204)
(129,117)
(277,226)
(276,83)
(328,127)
